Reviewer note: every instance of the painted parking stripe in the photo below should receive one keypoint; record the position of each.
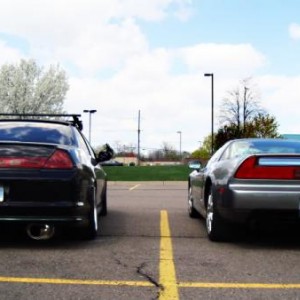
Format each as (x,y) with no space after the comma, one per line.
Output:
(167,274)
(76,281)
(217,285)
(223,285)
(134,187)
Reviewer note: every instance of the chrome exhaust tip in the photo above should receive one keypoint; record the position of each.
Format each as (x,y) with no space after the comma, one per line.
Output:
(40,231)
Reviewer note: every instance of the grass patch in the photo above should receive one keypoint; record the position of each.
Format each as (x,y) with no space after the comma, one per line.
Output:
(147,173)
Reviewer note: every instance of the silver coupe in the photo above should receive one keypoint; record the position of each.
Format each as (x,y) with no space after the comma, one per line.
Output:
(246,181)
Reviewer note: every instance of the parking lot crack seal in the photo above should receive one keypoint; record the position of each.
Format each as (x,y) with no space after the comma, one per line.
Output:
(140,271)
(120,263)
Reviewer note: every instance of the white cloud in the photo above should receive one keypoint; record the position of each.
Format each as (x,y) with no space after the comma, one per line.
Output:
(9,54)
(89,34)
(168,102)
(280,97)
(105,46)
(34,18)
(294,31)
(225,59)
(184,11)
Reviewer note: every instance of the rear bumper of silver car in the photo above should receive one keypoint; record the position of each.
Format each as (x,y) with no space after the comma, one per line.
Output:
(243,201)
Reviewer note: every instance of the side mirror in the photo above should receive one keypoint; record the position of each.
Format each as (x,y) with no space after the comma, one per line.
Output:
(195,165)
(105,154)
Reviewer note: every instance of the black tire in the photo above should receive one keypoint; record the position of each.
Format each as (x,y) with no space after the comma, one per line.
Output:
(90,232)
(191,209)
(103,211)
(217,229)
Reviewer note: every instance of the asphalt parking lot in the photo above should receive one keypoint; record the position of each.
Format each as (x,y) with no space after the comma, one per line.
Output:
(148,248)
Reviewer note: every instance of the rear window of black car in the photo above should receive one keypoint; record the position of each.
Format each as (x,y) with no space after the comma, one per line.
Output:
(37,132)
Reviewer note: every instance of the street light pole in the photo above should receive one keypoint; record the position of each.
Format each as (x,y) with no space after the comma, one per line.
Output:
(90,112)
(212,110)
(139,139)
(179,143)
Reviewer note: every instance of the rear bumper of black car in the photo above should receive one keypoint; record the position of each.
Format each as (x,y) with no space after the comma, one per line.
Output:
(56,215)
(54,197)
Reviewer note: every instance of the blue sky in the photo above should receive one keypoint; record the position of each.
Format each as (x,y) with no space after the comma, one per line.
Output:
(122,56)
(262,23)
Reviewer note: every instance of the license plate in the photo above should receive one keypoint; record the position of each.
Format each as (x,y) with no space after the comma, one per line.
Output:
(1,193)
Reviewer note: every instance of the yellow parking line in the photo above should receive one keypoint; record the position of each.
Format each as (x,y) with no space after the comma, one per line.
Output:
(134,187)
(167,275)
(76,281)
(222,285)
(217,285)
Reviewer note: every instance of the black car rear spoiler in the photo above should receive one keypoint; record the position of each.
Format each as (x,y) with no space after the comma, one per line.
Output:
(75,117)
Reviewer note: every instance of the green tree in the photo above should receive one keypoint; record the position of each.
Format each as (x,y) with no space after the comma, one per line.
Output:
(204,152)
(28,88)
(200,154)
(262,126)
(227,133)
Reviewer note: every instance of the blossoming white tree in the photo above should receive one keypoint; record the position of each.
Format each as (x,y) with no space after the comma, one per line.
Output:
(29,88)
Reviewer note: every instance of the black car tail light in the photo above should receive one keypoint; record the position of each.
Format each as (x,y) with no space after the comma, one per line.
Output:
(22,162)
(58,160)
(251,169)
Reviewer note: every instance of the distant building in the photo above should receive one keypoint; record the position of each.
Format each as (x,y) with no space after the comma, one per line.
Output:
(291,136)
(127,159)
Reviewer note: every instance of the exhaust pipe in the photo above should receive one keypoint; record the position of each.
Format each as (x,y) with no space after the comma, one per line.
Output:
(40,231)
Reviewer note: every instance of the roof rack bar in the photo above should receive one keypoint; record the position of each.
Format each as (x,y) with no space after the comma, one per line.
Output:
(40,115)
(76,121)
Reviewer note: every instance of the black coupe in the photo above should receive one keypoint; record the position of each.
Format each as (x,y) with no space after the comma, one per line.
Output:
(50,176)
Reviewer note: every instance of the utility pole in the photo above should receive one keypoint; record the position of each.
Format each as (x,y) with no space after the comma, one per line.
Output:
(212,110)
(180,153)
(90,112)
(139,138)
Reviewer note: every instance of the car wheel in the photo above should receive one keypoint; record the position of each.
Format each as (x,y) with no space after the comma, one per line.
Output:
(90,232)
(191,209)
(103,211)
(217,229)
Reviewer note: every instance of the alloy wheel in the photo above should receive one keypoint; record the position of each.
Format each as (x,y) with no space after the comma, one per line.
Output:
(190,201)
(210,213)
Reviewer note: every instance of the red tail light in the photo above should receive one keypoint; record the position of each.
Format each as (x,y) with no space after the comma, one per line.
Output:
(250,169)
(58,160)
(22,162)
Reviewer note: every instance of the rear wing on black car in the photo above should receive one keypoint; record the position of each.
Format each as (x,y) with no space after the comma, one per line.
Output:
(74,118)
